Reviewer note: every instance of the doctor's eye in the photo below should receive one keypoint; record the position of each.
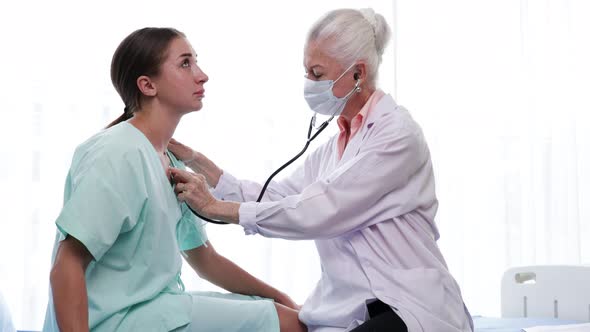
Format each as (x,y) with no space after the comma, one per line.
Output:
(316,74)
(313,75)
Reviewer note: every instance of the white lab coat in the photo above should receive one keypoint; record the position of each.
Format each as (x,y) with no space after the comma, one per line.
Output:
(371,215)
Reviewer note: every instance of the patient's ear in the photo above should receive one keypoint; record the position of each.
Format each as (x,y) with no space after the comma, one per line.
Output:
(147,86)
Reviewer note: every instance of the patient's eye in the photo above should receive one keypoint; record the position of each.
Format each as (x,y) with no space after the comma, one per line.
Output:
(185,63)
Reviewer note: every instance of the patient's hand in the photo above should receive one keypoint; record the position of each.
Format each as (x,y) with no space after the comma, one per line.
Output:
(287,301)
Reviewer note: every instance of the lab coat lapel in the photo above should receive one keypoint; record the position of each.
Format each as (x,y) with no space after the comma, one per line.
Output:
(386,104)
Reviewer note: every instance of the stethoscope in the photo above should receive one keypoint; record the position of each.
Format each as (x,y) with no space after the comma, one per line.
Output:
(310,138)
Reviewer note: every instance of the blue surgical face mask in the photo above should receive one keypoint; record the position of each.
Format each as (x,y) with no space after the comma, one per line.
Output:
(321,99)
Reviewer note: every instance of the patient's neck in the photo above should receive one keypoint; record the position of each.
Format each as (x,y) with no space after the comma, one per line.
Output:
(157,124)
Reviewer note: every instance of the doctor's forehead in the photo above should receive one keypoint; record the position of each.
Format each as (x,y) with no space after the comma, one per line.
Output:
(314,56)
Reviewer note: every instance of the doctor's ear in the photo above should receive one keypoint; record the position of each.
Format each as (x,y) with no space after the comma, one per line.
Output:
(360,72)
(146,86)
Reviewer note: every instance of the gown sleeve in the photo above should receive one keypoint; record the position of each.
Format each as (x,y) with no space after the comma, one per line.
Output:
(104,197)
(190,230)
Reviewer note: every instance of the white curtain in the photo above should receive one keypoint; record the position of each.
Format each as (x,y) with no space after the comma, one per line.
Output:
(498,86)
(501,89)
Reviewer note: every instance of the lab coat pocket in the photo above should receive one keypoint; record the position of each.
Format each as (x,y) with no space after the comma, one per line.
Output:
(346,168)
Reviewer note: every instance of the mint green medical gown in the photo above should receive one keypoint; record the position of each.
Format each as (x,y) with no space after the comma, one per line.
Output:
(120,204)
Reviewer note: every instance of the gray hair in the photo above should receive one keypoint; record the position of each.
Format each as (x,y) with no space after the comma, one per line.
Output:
(349,35)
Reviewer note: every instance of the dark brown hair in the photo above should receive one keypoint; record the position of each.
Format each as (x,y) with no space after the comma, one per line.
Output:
(141,53)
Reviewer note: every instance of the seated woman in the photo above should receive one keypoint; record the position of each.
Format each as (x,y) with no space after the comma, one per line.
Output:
(121,232)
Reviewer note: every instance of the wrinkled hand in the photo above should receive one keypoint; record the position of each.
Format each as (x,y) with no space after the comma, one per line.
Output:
(181,151)
(287,301)
(193,189)
(196,161)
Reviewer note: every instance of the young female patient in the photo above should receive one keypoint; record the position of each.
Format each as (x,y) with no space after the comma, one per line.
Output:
(121,232)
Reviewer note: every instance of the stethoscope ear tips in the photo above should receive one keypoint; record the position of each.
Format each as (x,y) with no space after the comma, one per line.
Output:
(358,82)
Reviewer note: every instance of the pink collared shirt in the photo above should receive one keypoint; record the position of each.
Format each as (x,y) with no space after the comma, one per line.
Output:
(347,131)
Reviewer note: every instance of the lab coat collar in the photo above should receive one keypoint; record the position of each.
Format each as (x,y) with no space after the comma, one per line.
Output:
(386,104)
(383,107)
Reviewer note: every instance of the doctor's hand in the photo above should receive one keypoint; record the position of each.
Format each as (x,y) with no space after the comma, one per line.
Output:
(196,161)
(182,152)
(193,190)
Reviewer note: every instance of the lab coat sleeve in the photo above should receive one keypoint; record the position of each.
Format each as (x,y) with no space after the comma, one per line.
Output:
(380,183)
(232,189)
(105,197)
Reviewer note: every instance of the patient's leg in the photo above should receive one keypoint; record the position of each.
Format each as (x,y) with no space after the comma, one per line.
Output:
(289,319)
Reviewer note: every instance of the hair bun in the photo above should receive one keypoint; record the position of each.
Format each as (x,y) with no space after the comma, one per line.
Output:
(381,29)
(369,15)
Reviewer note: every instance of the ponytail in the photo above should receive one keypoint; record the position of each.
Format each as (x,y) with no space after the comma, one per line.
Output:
(127,114)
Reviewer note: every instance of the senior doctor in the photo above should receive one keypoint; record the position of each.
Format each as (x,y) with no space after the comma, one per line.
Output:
(367,196)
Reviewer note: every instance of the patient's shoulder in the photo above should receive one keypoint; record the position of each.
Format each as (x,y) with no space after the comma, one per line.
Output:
(122,143)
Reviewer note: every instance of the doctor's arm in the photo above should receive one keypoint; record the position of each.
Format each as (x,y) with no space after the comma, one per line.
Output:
(227,187)
(222,272)
(68,285)
(374,186)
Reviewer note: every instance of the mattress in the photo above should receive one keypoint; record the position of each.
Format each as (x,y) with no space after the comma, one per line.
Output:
(490,324)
